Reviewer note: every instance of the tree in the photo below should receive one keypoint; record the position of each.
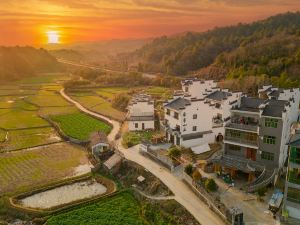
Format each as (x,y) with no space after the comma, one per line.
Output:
(197,175)
(210,185)
(189,169)
(174,152)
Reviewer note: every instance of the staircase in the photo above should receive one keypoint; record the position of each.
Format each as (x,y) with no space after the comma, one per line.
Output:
(265,178)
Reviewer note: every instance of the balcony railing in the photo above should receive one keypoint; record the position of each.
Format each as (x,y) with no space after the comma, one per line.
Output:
(293,197)
(293,177)
(295,160)
(241,140)
(250,127)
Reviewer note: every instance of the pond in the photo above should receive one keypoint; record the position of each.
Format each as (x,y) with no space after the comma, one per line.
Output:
(64,195)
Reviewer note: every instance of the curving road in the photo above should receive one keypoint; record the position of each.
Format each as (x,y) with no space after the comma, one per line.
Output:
(182,193)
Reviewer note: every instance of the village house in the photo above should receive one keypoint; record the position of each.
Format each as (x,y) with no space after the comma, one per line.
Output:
(291,205)
(256,136)
(141,113)
(99,144)
(196,115)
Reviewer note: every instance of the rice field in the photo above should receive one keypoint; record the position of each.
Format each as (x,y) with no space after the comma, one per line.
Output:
(20,139)
(79,125)
(46,98)
(22,170)
(122,209)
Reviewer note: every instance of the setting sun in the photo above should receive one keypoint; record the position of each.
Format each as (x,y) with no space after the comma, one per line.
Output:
(53,37)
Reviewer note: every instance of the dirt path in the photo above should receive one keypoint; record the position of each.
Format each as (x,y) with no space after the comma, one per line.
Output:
(182,193)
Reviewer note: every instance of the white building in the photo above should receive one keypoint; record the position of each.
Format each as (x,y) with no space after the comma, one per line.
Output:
(141,113)
(196,115)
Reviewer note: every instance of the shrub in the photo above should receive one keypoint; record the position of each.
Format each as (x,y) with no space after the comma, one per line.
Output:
(210,185)
(197,175)
(261,192)
(174,152)
(189,169)
(120,102)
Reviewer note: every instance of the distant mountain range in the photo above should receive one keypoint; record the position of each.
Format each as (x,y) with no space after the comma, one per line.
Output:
(270,46)
(20,62)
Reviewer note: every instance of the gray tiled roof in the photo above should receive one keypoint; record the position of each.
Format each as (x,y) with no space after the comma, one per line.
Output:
(274,108)
(218,95)
(178,103)
(192,136)
(250,104)
(295,139)
(276,93)
(141,118)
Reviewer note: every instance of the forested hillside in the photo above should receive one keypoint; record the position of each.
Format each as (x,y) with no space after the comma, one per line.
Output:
(20,62)
(270,47)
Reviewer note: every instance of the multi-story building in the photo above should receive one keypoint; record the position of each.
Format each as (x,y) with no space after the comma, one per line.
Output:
(291,205)
(197,114)
(256,136)
(141,113)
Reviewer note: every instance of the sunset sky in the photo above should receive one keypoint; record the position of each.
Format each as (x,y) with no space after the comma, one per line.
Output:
(32,21)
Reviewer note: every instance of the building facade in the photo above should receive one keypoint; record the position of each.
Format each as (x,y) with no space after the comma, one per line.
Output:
(256,136)
(141,113)
(291,205)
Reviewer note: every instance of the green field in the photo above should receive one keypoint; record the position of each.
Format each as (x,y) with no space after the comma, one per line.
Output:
(2,135)
(79,125)
(159,92)
(16,119)
(48,111)
(22,170)
(121,209)
(20,139)
(100,105)
(110,92)
(46,98)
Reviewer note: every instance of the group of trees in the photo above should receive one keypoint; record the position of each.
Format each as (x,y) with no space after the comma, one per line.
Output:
(20,62)
(270,47)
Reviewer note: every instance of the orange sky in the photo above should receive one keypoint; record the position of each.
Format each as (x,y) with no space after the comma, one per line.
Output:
(28,21)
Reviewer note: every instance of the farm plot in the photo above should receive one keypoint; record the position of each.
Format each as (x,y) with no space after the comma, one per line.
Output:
(16,119)
(122,209)
(23,170)
(100,105)
(79,125)
(110,92)
(20,139)
(159,92)
(2,135)
(48,111)
(46,98)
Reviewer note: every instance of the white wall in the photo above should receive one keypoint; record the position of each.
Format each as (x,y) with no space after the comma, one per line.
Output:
(149,125)
(198,88)
(206,139)
(293,212)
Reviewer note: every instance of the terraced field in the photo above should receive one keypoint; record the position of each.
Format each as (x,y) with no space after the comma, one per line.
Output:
(29,168)
(79,125)
(122,209)
(20,139)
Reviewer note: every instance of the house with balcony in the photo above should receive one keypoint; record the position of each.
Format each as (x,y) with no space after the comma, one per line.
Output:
(141,113)
(291,204)
(255,139)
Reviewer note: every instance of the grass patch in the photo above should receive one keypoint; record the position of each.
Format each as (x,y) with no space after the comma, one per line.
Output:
(122,209)
(46,98)
(22,170)
(19,139)
(48,111)
(133,138)
(110,92)
(16,119)
(79,125)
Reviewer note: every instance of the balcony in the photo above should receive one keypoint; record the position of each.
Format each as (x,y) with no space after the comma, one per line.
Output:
(295,155)
(294,177)
(243,123)
(293,195)
(241,140)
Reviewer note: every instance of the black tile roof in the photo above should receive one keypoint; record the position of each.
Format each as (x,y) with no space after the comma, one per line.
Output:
(218,95)
(274,108)
(141,118)
(295,139)
(178,103)
(250,104)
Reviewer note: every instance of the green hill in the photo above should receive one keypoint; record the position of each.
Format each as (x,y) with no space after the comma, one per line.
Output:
(20,62)
(270,46)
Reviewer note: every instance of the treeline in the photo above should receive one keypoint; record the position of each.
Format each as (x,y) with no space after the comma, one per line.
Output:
(269,47)
(85,78)
(20,62)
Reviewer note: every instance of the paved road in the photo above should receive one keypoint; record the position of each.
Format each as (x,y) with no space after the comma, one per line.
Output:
(182,193)
(146,75)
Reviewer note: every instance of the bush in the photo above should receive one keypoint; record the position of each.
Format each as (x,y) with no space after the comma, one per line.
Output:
(174,152)
(197,175)
(210,185)
(189,169)
(261,192)
(120,102)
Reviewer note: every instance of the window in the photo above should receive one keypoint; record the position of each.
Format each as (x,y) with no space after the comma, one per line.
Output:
(136,125)
(176,115)
(233,133)
(271,122)
(184,120)
(269,140)
(267,156)
(168,112)
(194,128)
(234,148)
(195,116)
(186,89)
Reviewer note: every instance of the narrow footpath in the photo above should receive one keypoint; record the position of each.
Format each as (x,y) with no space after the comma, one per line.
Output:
(182,193)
